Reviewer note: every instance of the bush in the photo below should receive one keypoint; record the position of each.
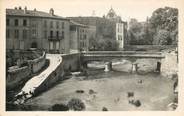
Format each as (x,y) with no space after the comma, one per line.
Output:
(59,107)
(76,104)
(137,103)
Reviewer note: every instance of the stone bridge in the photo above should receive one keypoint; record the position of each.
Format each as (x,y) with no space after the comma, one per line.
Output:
(108,56)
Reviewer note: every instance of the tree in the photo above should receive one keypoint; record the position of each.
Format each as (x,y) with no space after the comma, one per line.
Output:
(165,19)
(162,38)
(161,28)
(103,43)
(139,33)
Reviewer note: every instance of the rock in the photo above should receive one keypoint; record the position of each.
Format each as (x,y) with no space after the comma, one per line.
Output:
(104,109)
(140,81)
(137,103)
(91,91)
(130,94)
(79,91)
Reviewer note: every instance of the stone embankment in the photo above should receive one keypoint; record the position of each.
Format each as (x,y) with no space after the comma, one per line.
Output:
(58,67)
(15,76)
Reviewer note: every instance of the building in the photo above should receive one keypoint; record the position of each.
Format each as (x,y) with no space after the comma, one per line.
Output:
(79,38)
(121,27)
(109,26)
(36,29)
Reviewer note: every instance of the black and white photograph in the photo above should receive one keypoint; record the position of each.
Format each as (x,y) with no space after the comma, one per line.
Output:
(98,55)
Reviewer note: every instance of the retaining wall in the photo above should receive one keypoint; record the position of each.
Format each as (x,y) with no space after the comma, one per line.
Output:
(70,62)
(17,76)
(148,47)
(37,64)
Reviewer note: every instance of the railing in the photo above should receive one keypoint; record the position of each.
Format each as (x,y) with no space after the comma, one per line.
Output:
(55,37)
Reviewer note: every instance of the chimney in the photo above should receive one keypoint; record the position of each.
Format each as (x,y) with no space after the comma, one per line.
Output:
(25,9)
(20,8)
(51,11)
(15,8)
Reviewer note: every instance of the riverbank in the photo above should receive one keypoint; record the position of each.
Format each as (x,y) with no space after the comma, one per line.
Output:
(110,91)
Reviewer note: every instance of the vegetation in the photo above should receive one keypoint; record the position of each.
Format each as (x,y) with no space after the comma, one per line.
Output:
(103,44)
(160,29)
(76,104)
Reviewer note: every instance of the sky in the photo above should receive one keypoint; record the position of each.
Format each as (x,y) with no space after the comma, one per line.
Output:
(127,9)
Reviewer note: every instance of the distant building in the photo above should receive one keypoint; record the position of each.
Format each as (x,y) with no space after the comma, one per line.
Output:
(79,37)
(121,27)
(109,26)
(36,29)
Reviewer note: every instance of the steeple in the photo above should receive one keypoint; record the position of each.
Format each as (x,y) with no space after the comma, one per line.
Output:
(111,13)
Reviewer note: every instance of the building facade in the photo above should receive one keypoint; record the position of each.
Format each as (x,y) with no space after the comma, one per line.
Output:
(109,26)
(121,27)
(79,37)
(36,29)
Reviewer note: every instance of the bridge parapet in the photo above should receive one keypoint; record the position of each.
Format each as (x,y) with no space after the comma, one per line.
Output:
(120,52)
(107,55)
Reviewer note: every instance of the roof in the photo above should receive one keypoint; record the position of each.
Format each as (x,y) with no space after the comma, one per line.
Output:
(32,13)
(77,24)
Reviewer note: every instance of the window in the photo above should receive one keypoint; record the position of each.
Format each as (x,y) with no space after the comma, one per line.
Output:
(51,24)
(24,34)
(7,33)
(7,22)
(51,34)
(51,45)
(45,34)
(63,25)
(34,45)
(34,23)
(85,36)
(57,45)
(24,22)
(34,32)
(57,24)
(21,45)
(16,22)
(119,37)
(57,34)
(45,23)
(16,33)
(63,34)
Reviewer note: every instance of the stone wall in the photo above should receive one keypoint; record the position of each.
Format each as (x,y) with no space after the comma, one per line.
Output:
(17,76)
(148,47)
(37,64)
(70,62)
(169,67)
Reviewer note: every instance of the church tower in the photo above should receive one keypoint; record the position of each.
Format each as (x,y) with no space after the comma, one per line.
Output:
(111,14)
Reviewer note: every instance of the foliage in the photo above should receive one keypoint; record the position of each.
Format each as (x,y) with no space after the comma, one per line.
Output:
(139,33)
(76,104)
(160,29)
(162,38)
(164,22)
(103,43)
